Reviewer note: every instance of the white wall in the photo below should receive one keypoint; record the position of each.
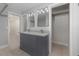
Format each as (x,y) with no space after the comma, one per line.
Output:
(74,29)
(61,29)
(23,23)
(3,31)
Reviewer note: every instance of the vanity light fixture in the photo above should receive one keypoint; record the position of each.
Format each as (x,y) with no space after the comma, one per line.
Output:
(42,11)
(38,11)
(46,9)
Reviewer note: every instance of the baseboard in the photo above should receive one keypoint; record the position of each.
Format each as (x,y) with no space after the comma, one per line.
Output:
(60,43)
(4,46)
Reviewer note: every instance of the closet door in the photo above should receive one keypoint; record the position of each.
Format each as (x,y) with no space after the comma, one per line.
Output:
(61,29)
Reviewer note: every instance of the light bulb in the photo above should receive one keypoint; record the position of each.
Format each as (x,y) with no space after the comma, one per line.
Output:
(46,9)
(43,11)
(39,12)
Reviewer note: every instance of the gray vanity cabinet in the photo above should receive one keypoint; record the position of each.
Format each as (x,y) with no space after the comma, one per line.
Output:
(34,45)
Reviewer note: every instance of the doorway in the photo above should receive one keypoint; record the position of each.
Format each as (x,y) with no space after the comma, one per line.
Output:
(60,30)
(13,31)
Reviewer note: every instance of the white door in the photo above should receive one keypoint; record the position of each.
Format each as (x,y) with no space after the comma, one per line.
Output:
(13,31)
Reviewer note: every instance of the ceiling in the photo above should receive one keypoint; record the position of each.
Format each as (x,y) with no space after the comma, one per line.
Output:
(19,7)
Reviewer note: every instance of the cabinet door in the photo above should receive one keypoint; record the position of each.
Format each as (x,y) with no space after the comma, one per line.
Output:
(31,42)
(26,43)
(42,46)
(33,45)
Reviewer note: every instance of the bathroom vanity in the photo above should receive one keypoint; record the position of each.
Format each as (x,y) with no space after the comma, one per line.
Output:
(34,38)
(35,44)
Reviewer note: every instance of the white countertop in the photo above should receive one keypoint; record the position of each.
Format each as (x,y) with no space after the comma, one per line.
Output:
(36,33)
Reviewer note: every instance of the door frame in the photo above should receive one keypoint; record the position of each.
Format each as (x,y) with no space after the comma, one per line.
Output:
(51,25)
(15,14)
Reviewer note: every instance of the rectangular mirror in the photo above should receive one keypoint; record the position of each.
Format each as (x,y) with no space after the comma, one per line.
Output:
(31,21)
(43,20)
